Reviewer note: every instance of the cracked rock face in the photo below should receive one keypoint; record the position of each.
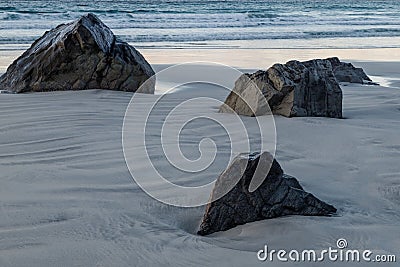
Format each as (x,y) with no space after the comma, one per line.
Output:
(294,89)
(80,55)
(346,72)
(278,195)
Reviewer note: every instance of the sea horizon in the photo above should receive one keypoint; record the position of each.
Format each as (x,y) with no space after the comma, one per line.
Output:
(317,24)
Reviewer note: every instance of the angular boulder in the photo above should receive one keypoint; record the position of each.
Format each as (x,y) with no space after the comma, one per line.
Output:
(277,195)
(294,89)
(346,72)
(80,55)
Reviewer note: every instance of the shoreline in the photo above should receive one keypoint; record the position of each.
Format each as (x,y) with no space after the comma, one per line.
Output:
(381,63)
(244,58)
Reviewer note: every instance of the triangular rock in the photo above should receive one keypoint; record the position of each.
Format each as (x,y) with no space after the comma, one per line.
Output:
(83,54)
(278,195)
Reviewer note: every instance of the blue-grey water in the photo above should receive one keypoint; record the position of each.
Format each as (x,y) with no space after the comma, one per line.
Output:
(202,23)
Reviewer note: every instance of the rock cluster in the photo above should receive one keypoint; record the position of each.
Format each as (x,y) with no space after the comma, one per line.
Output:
(277,195)
(80,55)
(294,89)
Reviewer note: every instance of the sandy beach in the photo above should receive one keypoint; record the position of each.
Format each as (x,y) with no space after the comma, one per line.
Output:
(67,197)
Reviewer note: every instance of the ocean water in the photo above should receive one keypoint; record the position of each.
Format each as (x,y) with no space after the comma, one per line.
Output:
(215,23)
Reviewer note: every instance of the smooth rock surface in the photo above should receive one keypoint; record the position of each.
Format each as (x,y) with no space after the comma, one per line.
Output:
(80,55)
(278,195)
(293,89)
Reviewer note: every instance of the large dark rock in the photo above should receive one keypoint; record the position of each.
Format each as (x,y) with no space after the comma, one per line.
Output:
(346,72)
(293,89)
(277,195)
(80,55)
